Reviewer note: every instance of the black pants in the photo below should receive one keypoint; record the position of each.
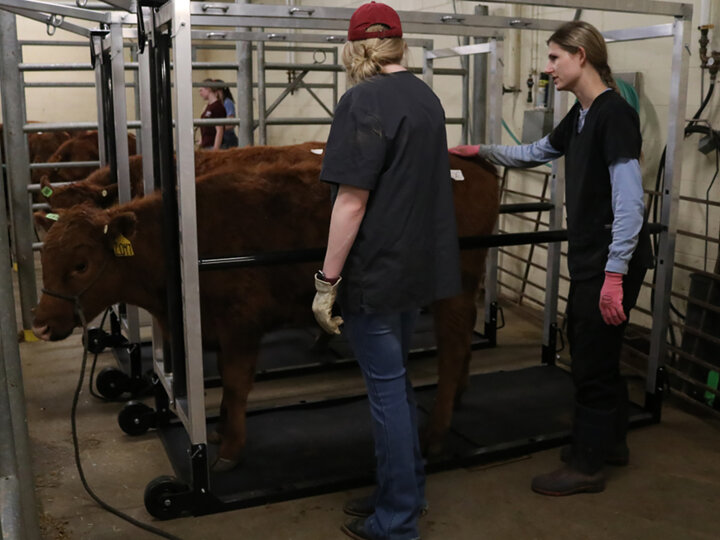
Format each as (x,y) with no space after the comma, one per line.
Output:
(601,396)
(595,346)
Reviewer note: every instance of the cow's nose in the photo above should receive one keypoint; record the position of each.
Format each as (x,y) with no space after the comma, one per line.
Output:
(42,332)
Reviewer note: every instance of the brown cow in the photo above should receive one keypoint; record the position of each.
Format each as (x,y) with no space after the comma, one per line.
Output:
(268,208)
(83,147)
(98,190)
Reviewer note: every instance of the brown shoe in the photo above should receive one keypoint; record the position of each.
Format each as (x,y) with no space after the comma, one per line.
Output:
(568,481)
(360,507)
(355,528)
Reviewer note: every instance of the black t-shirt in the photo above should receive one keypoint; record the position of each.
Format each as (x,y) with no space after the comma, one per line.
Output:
(213,110)
(611,132)
(388,136)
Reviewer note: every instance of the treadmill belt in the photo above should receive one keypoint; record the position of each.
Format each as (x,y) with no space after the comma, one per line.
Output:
(305,449)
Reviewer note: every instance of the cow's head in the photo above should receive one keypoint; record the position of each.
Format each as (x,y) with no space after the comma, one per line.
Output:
(82,148)
(79,262)
(78,193)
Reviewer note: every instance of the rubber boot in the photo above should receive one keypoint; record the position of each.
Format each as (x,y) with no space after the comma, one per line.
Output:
(618,454)
(593,432)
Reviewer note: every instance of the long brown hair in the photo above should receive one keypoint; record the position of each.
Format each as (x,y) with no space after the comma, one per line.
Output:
(575,34)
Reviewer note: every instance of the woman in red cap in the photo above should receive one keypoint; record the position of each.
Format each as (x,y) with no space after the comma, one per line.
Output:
(393,237)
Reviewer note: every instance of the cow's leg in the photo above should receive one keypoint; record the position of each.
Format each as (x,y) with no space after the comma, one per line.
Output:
(215,437)
(238,371)
(454,322)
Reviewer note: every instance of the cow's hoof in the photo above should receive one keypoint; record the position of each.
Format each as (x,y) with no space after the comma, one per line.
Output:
(214,437)
(222,465)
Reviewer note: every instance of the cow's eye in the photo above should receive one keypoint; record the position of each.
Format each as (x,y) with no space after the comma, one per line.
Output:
(80,267)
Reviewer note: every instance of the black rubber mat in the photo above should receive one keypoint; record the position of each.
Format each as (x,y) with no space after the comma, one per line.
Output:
(314,448)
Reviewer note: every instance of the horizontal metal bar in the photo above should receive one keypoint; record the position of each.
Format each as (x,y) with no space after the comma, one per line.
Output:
(697,236)
(694,301)
(40,206)
(691,269)
(37,127)
(680,375)
(56,67)
(697,333)
(57,9)
(316,254)
(680,395)
(64,165)
(637,34)
(52,21)
(530,220)
(526,207)
(68,84)
(651,7)
(322,17)
(463,50)
(692,358)
(699,201)
(37,187)
(522,194)
(272,66)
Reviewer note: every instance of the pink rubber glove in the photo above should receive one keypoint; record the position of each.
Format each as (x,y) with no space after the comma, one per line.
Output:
(465,150)
(611,296)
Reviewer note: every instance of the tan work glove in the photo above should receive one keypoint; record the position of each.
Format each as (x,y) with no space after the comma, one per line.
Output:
(323,303)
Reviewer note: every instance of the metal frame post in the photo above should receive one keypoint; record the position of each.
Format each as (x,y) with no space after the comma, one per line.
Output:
(552,272)
(183,113)
(494,134)
(480,87)
(18,164)
(114,41)
(244,105)
(18,516)
(262,117)
(668,216)
(96,39)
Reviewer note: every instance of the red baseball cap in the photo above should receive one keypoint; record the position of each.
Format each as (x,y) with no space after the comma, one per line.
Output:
(370,14)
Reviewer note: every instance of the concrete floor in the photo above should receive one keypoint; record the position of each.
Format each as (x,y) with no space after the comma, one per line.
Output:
(671,490)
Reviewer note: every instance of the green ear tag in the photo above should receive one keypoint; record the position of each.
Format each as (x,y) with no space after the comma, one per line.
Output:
(46,191)
(53,217)
(123,247)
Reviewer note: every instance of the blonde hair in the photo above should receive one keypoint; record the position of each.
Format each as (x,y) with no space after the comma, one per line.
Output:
(365,58)
(575,34)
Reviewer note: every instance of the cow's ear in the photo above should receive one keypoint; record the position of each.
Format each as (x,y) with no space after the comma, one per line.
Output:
(45,188)
(121,224)
(43,221)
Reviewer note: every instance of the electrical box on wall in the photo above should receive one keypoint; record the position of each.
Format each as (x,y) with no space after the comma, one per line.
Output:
(536,124)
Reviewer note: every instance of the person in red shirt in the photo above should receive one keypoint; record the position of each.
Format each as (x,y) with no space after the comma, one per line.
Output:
(211,136)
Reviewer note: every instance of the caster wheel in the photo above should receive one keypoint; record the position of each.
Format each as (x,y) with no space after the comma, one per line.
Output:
(162,500)
(111,383)
(136,418)
(97,340)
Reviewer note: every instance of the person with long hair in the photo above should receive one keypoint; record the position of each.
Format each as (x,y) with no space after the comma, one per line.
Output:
(224,94)
(393,238)
(211,136)
(608,246)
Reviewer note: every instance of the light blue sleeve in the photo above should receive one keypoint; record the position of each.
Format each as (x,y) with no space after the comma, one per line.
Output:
(229,108)
(628,207)
(525,155)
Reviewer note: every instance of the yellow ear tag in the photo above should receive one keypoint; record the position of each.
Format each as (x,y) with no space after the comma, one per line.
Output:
(104,192)
(123,247)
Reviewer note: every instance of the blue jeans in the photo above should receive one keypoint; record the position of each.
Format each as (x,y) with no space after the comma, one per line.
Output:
(381,343)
